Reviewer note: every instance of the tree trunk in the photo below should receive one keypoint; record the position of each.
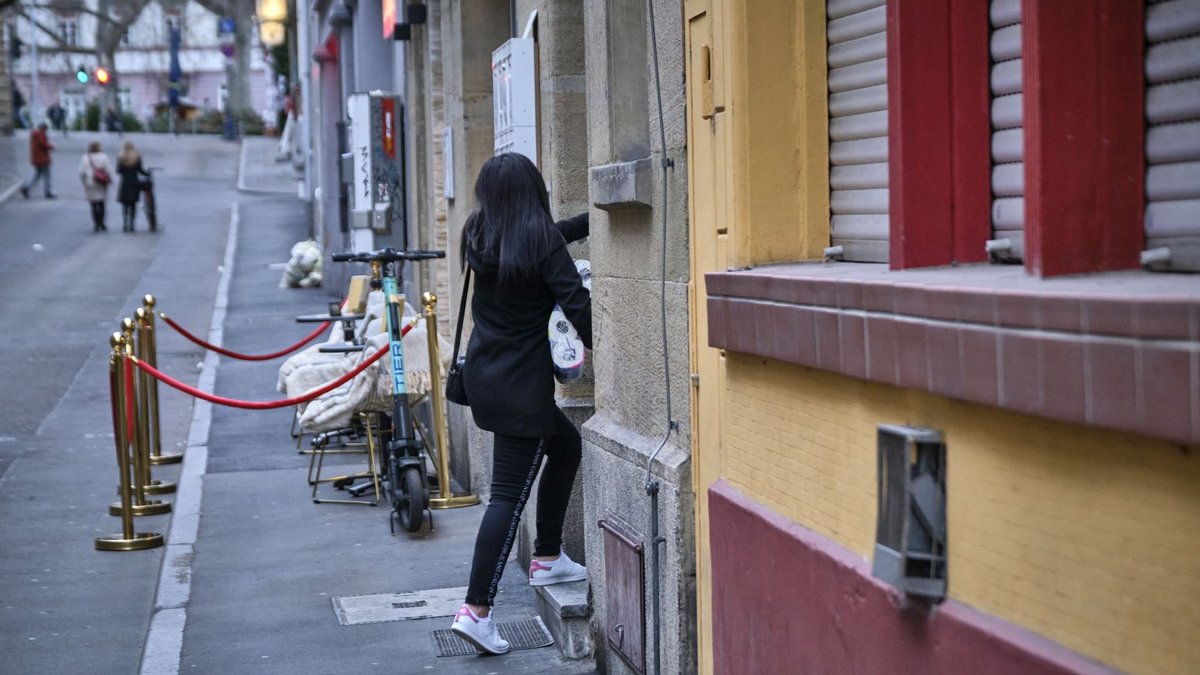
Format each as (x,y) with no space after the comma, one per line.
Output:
(110,100)
(239,74)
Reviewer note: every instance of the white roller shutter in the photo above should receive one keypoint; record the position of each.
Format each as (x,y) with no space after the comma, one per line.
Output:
(1173,135)
(858,147)
(1008,137)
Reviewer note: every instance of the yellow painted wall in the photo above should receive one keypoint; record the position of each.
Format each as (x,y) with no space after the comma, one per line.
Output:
(1086,536)
(779,129)
(758,183)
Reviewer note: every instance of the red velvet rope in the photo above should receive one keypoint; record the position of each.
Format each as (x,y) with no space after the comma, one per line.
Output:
(263,405)
(244,357)
(116,406)
(268,405)
(130,403)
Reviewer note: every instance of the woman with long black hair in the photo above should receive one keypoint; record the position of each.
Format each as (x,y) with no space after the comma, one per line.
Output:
(518,256)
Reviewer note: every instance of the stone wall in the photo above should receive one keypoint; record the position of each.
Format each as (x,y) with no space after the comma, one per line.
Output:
(632,299)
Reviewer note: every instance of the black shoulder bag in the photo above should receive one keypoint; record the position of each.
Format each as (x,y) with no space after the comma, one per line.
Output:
(456,392)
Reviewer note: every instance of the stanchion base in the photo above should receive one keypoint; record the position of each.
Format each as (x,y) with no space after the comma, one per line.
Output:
(150,508)
(140,541)
(159,487)
(453,502)
(166,459)
(156,487)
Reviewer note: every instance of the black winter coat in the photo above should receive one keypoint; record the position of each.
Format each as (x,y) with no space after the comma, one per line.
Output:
(130,187)
(509,375)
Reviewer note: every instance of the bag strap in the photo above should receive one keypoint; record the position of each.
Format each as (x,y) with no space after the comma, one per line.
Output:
(462,308)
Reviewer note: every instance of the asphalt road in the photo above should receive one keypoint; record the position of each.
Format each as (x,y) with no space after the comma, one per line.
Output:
(63,607)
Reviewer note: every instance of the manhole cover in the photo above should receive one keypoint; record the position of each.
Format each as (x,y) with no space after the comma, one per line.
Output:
(523,634)
(382,607)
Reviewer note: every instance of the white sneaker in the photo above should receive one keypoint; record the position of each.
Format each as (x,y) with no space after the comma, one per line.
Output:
(558,572)
(479,632)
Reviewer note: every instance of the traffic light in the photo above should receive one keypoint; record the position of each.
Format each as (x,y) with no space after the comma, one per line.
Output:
(102,76)
(81,75)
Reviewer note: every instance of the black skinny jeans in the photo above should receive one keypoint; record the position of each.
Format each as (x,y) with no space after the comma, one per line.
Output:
(128,215)
(515,463)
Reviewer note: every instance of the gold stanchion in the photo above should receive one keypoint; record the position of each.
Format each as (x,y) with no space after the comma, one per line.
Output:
(446,499)
(128,540)
(149,341)
(152,486)
(132,428)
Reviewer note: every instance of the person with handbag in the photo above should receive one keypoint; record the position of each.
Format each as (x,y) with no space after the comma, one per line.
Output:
(518,256)
(94,174)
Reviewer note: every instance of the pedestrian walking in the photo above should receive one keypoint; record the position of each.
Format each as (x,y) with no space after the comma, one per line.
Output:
(56,114)
(518,256)
(129,189)
(40,148)
(112,120)
(94,173)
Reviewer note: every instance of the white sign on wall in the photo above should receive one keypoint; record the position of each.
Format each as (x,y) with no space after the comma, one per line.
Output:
(514,98)
(376,150)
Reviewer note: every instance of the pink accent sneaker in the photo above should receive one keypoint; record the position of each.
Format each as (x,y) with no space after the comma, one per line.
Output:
(481,633)
(558,572)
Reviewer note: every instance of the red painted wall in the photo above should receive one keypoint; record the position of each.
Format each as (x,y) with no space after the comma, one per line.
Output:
(786,600)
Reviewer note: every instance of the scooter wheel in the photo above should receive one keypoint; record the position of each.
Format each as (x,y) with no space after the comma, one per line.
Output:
(410,506)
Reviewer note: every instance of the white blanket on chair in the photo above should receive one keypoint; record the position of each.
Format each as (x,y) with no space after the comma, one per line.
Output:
(372,322)
(371,390)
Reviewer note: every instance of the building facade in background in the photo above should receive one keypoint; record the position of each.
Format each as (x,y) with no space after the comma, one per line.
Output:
(142,63)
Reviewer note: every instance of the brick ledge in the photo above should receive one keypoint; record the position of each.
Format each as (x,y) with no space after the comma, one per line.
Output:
(1118,350)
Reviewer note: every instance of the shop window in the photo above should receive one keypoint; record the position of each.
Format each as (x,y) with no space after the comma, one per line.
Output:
(1008,138)
(125,99)
(858,130)
(1172,217)
(68,30)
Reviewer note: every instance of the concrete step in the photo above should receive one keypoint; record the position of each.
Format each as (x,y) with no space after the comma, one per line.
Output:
(566,610)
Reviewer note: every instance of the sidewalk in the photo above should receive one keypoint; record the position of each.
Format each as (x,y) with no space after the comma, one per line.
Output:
(254,570)
(14,163)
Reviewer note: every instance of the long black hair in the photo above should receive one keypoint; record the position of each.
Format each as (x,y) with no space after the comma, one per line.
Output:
(511,224)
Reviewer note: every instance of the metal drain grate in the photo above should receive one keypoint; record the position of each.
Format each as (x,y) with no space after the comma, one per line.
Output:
(523,634)
(382,607)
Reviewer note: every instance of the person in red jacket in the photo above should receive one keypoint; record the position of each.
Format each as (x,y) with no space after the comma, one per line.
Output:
(39,157)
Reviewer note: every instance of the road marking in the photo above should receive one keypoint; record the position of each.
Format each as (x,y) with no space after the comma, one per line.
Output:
(163,648)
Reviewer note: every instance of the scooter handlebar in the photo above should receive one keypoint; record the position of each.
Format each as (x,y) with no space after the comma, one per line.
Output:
(387,255)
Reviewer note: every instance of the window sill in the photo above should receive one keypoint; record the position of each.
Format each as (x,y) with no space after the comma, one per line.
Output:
(1119,350)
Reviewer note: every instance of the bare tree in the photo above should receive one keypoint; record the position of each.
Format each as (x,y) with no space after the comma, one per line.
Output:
(113,19)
